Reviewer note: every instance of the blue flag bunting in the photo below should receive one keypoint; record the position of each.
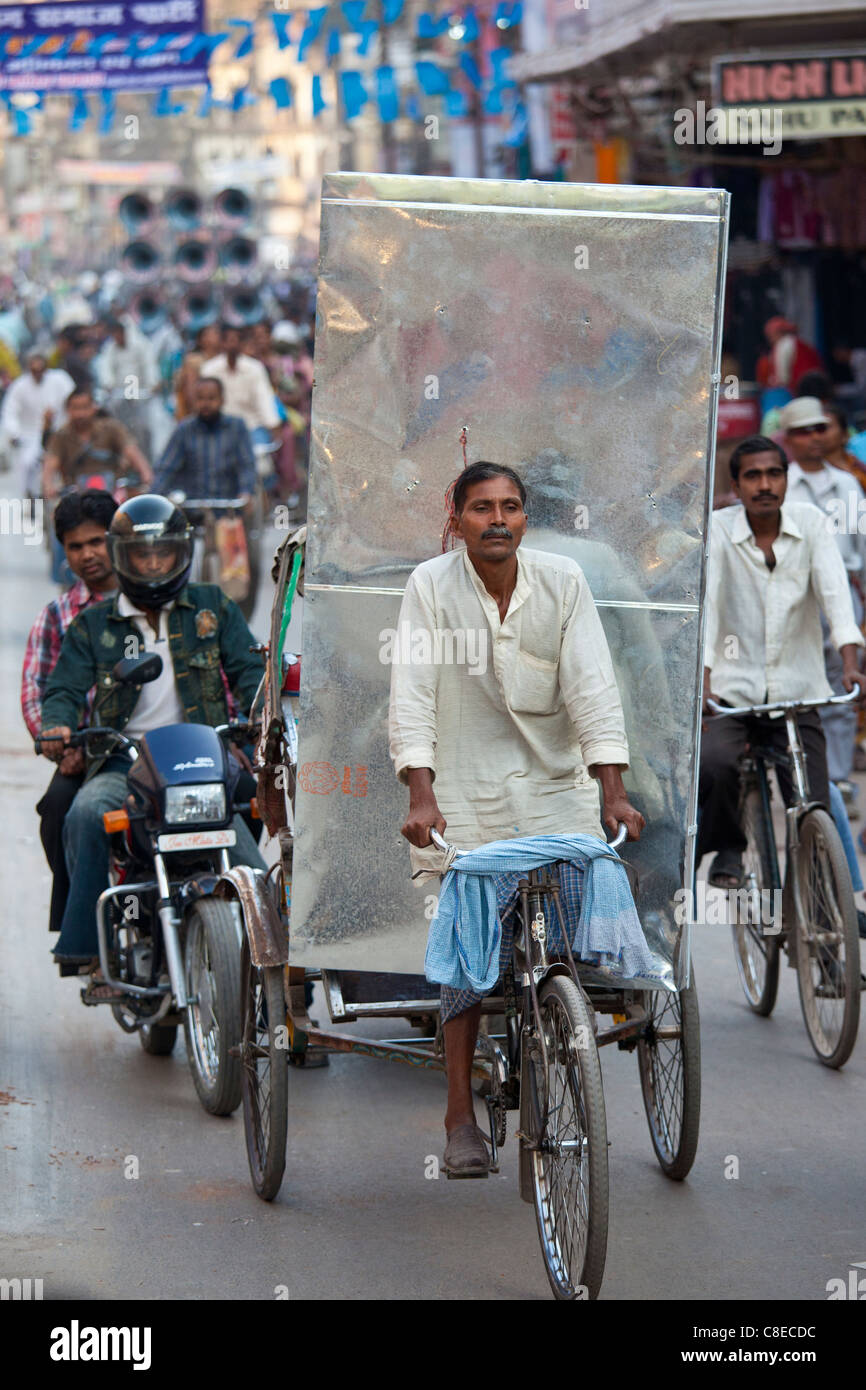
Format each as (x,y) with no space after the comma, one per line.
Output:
(315,20)
(353,11)
(281,92)
(509,14)
(470,26)
(367,28)
(245,47)
(353,92)
(386,94)
(469,68)
(79,113)
(109,108)
(332,44)
(430,28)
(456,103)
(242,97)
(281,28)
(432,79)
(391,10)
(499,57)
(22,120)
(319,103)
(164,106)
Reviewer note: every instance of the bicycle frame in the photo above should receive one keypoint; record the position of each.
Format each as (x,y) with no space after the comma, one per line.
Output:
(795,760)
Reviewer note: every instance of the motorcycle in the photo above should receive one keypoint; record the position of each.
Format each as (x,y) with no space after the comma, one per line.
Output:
(165,938)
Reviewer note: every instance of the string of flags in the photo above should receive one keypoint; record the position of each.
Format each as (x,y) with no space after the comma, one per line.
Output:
(329,24)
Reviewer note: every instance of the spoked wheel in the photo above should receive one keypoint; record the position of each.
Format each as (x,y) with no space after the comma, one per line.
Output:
(212,1022)
(265,1073)
(669,1061)
(756,950)
(567,1159)
(828,946)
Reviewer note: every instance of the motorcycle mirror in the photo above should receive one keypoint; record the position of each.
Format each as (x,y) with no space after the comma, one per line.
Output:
(138,670)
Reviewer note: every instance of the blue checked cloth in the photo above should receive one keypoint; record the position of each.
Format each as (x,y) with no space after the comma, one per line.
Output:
(465,934)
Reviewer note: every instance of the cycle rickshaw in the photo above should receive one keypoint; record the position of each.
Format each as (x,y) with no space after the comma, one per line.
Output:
(338,909)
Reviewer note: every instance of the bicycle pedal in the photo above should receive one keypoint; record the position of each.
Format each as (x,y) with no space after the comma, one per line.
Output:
(461,1177)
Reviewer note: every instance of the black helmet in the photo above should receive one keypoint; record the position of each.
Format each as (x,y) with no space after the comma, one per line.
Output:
(150,544)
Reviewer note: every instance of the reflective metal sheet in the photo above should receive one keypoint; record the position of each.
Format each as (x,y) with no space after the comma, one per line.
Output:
(575,331)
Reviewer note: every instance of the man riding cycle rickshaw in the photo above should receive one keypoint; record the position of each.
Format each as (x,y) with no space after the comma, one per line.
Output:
(433,349)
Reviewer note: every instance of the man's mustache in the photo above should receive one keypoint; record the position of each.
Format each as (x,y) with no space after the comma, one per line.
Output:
(493,532)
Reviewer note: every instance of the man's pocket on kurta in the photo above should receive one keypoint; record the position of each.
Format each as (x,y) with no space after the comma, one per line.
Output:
(534,685)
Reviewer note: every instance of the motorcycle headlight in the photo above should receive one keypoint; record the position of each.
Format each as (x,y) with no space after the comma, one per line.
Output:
(200,804)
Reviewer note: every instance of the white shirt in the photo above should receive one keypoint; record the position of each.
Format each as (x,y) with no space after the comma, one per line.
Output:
(159,702)
(247,390)
(839,495)
(763,637)
(512,712)
(27,400)
(131,367)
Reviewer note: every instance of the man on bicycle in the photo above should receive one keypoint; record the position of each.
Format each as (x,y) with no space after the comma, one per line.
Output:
(210,454)
(518,738)
(773,566)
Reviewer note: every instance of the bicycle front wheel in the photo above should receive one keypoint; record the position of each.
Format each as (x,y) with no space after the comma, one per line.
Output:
(828,945)
(568,1155)
(756,952)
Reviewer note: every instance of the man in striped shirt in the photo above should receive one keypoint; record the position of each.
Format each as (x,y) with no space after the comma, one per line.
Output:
(210,454)
(80,522)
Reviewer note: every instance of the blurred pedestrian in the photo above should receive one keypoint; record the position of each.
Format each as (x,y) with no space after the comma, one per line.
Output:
(837,492)
(127,372)
(789,356)
(208,341)
(33,406)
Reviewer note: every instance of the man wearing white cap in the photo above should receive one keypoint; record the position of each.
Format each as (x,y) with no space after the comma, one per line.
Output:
(812,479)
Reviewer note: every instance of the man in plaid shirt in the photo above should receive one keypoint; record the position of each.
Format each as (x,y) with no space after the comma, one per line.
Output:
(81,521)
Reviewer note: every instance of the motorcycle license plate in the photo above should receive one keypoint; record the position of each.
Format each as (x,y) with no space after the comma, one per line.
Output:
(196,839)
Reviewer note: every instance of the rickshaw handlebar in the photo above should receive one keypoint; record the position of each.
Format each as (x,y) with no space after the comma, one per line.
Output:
(440,843)
(785,706)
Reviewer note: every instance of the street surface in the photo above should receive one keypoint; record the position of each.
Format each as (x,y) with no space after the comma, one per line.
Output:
(356,1217)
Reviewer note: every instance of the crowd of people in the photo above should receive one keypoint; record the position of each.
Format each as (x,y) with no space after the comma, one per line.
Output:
(102,397)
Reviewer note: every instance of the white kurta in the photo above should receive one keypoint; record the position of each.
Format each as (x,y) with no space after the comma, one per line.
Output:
(508,714)
(763,639)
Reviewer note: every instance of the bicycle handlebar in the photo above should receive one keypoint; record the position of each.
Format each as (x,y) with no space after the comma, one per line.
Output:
(440,843)
(785,706)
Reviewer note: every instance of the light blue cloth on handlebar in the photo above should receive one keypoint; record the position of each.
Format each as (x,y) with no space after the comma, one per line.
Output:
(465,933)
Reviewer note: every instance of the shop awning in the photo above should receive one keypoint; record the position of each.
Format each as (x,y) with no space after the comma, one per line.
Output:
(615,38)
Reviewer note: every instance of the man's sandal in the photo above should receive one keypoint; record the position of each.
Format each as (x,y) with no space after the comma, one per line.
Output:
(726,870)
(466,1153)
(99,992)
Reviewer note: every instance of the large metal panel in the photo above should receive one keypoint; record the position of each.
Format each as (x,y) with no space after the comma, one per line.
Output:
(575,331)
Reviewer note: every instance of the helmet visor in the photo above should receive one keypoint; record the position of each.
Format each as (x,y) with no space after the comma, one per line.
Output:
(150,561)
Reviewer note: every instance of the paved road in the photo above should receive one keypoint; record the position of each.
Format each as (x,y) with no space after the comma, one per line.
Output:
(356,1217)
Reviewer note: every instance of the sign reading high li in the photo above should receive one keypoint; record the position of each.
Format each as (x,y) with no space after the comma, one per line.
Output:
(816,94)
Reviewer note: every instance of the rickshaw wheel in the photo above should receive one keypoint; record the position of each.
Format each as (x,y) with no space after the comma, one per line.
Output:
(565,1107)
(264,1074)
(669,1061)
